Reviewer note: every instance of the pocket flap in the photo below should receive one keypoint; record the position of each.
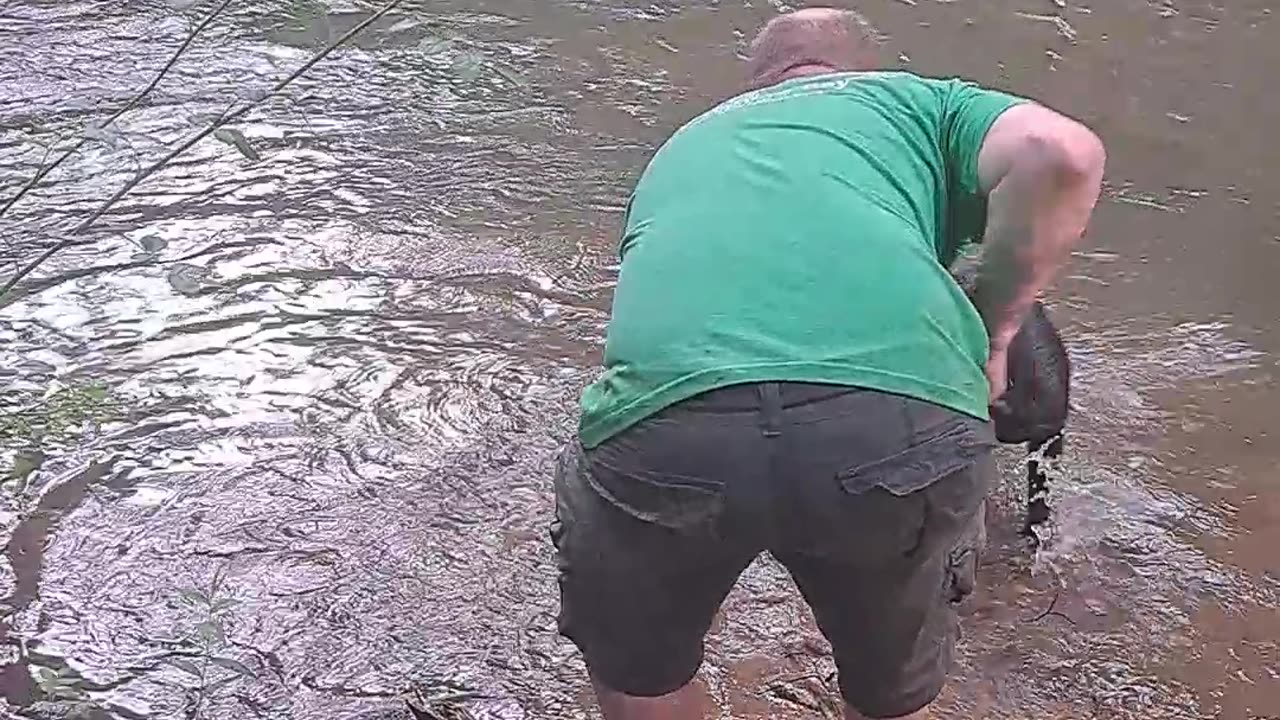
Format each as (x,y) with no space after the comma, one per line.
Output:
(955,446)
(679,502)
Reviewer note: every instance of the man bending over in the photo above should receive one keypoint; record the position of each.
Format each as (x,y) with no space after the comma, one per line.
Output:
(789,366)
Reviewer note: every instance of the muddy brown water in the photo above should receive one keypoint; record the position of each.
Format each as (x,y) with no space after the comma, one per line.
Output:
(352,408)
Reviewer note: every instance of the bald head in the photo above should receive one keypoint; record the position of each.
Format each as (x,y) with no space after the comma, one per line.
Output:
(808,41)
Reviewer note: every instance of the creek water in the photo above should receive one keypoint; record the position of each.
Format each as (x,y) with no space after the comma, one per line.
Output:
(336,376)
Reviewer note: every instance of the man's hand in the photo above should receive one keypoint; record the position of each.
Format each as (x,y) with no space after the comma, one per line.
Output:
(997,373)
(1043,174)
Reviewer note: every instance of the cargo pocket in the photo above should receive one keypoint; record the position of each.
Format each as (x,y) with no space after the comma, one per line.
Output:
(964,558)
(567,495)
(946,474)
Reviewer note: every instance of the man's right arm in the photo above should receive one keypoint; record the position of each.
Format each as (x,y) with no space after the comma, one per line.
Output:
(1042,174)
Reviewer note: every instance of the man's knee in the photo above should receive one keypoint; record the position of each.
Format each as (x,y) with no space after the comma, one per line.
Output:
(851,713)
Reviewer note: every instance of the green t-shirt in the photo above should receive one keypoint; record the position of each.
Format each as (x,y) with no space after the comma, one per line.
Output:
(801,233)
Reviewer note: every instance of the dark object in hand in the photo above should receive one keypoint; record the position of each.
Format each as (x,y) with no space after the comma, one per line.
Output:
(1034,409)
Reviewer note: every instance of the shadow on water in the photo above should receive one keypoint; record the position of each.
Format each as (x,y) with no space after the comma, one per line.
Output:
(339,373)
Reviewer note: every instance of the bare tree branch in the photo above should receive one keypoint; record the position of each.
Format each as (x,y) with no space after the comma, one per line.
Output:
(46,169)
(226,117)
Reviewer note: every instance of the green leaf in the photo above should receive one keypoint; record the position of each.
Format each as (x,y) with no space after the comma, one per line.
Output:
(468,65)
(234,666)
(184,665)
(193,596)
(69,691)
(104,135)
(509,75)
(211,631)
(223,604)
(219,575)
(47,678)
(96,393)
(186,278)
(302,11)
(25,463)
(310,20)
(434,45)
(236,139)
(153,244)
(255,94)
(403,25)
(224,680)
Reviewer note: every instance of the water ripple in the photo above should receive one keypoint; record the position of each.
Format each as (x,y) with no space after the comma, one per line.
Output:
(341,374)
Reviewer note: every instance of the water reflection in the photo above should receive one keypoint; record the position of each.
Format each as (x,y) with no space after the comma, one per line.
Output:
(345,368)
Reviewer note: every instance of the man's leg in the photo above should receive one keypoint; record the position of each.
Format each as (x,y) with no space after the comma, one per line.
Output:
(962,568)
(885,569)
(851,714)
(688,702)
(892,624)
(646,555)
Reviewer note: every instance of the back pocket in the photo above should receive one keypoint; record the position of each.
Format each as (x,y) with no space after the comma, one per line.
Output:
(953,446)
(679,502)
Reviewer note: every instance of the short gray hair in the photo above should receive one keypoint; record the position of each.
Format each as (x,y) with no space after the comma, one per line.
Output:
(836,38)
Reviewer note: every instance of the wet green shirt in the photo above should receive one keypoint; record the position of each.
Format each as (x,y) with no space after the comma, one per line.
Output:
(799,233)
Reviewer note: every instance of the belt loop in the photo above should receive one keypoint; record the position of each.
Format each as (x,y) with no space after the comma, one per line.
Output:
(770,409)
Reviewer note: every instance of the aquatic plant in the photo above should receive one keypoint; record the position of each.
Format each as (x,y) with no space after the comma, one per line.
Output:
(205,664)
(34,425)
(46,421)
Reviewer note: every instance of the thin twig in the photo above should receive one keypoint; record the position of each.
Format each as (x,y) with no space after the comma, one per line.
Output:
(221,120)
(46,169)
(1051,611)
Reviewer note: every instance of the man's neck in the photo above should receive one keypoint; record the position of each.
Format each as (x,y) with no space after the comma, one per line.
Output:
(805,70)
(802,69)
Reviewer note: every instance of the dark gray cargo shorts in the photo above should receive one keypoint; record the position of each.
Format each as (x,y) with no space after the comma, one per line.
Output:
(872,501)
